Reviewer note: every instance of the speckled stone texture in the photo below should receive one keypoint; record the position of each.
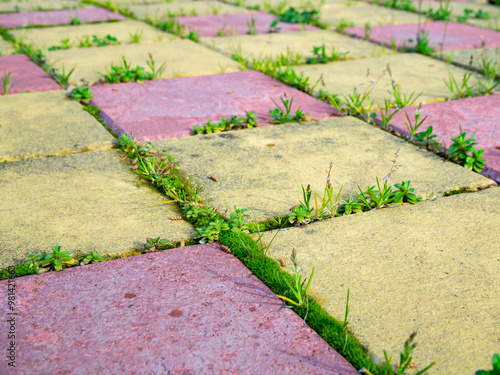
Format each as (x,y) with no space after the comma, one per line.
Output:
(25,75)
(237,24)
(171,108)
(481,114)
(189,310)
(57,17)
(458,35)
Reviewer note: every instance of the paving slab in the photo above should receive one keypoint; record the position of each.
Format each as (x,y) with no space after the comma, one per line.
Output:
(237,24)
(46,124)
(431,268)
(366,14)
(171,108)
(479,114)
(463,57)
(122,31)
(457,35)
(276,44)
(187,310)
(457,9)
(25,75)
(5,48)
(34,5)
(177,54)
(57,17)
(184,8)
(82,202)
(491,23)
(263,169)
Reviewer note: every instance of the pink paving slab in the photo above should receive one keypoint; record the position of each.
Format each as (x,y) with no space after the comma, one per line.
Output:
(25,75)
(458,35)
(170,108)
(481,113)
(191,310)
(57,17)
(208,26)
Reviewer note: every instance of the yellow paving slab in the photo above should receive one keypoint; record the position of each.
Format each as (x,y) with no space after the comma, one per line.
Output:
(122,31)
(433,268)
(263,168)
(457,9)
(413,72)
(274,45)
(185,8)
(177,54)
(47,124)
(5,47)
(83,202)
(479,57)
(34,5)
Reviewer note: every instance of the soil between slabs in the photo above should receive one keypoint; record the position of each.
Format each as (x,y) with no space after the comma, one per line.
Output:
(187,310)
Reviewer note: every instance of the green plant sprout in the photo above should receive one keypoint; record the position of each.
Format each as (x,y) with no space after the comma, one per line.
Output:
(136,36)
(104,41)
(413,127)
(248,121)
(427,139)
(75,21)
(273,27)
(387,113)
(125,73)
(462,90)
(292,15)
(63,44)
(194,36)
(156,244)
(401,100)
(81,93)
(93,257)
(251,26)
(344,24)
(282,116)
(296,287)
(496,367)
(321,57)
(463,152)
(368,31)
(56,260)
(8,78)
(421,44)
(61,76)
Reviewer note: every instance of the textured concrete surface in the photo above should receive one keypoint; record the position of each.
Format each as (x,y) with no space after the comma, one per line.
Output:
(5,47)
(480,113)
(276,44)
(463,57)
(189,310)
(57,17)
(413,72)
(263,168)
(183,8)
(432,268)
(34,5)
(46,124)
(458,35)
(457,8)
(52,36)
(361,15)
(25,75)
(171,108)
(177,54)
(237,24)
(82,202)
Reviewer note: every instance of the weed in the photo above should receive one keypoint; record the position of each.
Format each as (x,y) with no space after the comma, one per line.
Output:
(194,36)
(400,4)
(61,76)
(401,100)
(93,257)
(221,31)
(104,41)
(81,93)
(7,81)
(75,21)
(251,26)
(443,13)
(350,206)
(426,139)
(296,286)
(136,37)
(300,215)
(421,44)
(463,152)
(33,52)
(125,73)
(321,57)
(293,15)
(248,121)
(368,31)
(56,260)
(282,116)
(211,232)
(273,27)
(413,127)
(405,194)
(237,221)
(63,44)
(387,113)
(156,244)
(343,24)
(496,367)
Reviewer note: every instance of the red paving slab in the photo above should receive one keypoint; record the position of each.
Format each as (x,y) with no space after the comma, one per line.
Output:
(191,310)
(25,75)
(481,113)
(57,17)
(208,26)
(170,108)
(458,35)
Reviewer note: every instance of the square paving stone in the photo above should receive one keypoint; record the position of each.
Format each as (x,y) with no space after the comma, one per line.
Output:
(189,310)
(122,31)
(171,108)
(413,72)
(276,44)
(458,35)
(184,8)
(182,57)
(431,268)
(34,5)
(5,47)
(82,202)
(47,124)
(361,15)
(25,75)
(480,113)
(263,169)
(237,24)
(57,17)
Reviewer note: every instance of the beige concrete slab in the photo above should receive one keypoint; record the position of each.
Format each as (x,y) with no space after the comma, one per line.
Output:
(5,47)
(457,9)
(268,179)
(492,23)
(177,54)
(413,72)
(45,124)
(52,36)
(84,202)
(33,5)
(185,8)
(432,268)
(361,15)
(274,45)
(463,57)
